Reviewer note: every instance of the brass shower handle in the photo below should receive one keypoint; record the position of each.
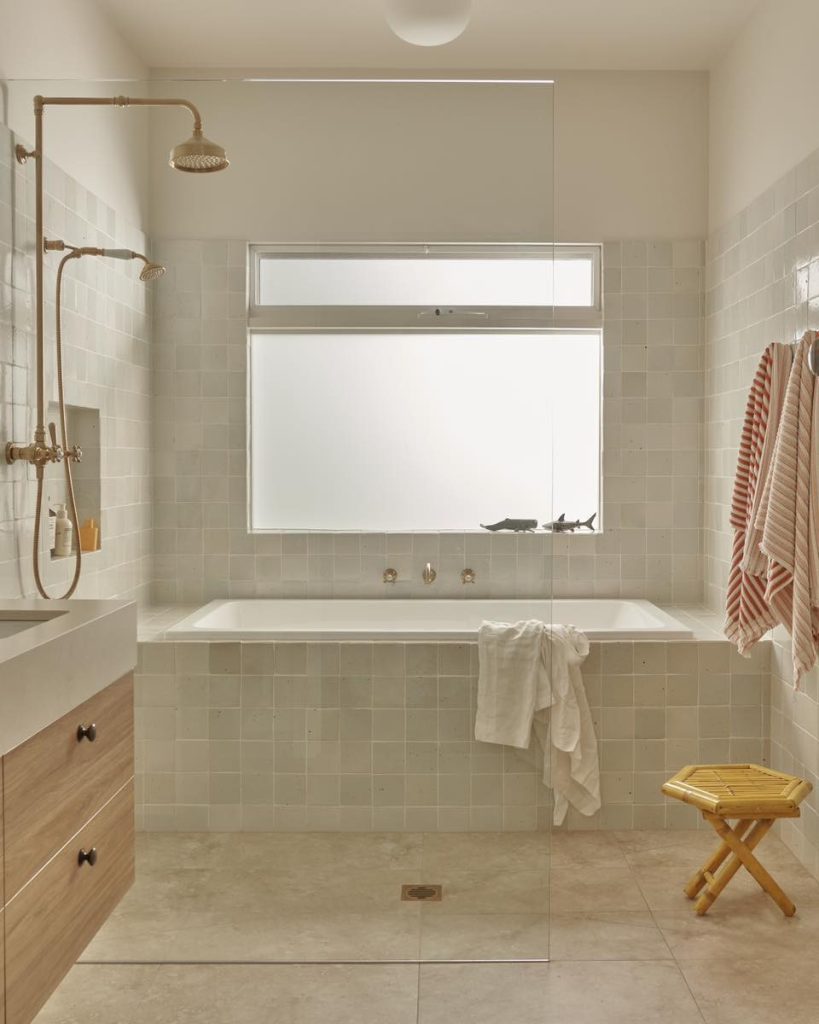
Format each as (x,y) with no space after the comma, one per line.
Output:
(58,453)
(37,454)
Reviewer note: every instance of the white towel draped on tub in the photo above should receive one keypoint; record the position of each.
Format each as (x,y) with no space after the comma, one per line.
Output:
(530,692)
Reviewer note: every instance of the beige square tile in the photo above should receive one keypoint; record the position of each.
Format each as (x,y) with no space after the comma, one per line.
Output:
(740,925)
(483,936)
(606,935)
(299,994)
(591,993)
(731,991)
(602,888)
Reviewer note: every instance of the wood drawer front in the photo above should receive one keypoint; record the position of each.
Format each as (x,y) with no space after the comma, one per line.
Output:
(52,920)
(2,967)
(53,783)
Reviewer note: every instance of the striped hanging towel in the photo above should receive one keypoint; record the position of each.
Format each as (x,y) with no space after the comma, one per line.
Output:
(748,615)
(789,534)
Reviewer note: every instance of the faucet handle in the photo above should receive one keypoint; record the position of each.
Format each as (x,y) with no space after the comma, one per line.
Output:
(57,452)
(390,575)
(468,575)
(429,575)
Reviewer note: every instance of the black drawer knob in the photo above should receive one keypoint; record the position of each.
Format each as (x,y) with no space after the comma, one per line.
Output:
(87,857)
(86,732)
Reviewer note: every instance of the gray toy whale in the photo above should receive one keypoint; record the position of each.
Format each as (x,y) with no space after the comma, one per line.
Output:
(517,525)
(562,525)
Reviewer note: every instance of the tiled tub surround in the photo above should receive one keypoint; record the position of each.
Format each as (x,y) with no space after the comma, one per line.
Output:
(762,286)
(652,444)
(106,333)
(378,736)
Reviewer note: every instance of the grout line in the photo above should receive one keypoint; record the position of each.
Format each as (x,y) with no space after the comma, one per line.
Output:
(635,875)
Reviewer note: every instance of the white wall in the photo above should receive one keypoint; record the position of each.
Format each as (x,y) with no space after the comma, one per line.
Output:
(361,162)
(45,41)
(764,99)
(354,162)
(632,155)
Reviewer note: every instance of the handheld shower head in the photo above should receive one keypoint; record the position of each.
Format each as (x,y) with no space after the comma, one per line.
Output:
(198,155)
(151,271)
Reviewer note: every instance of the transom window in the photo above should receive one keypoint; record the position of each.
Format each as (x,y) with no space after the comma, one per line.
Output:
(421,388)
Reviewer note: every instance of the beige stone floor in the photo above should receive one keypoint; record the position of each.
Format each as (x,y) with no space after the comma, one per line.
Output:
(607,908)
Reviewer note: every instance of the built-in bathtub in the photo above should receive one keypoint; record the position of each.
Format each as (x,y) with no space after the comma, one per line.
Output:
(359,715)
(339,619)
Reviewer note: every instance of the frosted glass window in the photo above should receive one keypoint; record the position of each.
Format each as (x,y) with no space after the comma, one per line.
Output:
(419,281)
(422,431)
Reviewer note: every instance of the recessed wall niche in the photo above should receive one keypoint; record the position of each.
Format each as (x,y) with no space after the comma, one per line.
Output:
(84,430)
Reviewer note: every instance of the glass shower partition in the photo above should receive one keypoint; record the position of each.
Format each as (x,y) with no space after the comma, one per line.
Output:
(313,802)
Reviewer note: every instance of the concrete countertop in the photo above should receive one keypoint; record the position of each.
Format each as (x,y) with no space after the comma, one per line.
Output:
(79,648)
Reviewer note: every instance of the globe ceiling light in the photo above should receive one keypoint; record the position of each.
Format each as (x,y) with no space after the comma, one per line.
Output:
(428,22)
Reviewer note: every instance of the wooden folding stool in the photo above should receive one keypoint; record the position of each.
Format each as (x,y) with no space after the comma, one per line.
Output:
(754,797)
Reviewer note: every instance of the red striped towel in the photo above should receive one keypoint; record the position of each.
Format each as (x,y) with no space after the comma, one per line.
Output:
(789,537)
(749,615)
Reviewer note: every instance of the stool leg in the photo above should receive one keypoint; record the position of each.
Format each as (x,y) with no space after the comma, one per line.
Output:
(698,880)
(743,856)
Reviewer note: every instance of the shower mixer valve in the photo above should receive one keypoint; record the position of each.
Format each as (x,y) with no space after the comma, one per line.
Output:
(40,454)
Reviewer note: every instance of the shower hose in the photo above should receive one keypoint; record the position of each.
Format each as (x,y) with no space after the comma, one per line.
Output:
(69,482)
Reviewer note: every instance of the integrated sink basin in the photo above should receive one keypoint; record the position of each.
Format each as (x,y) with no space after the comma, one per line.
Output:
(55,655)
(12,624)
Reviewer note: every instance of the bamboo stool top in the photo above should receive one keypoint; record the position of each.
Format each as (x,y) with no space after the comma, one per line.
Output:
(739,790)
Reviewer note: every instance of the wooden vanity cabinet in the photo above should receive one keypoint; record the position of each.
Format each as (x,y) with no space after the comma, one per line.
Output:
(2,910)
(68,818)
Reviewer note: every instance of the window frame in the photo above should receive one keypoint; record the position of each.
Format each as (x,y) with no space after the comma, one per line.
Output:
(265,319)
(408,318)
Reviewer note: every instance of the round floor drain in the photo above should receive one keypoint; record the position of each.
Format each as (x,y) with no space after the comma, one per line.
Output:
(422,893)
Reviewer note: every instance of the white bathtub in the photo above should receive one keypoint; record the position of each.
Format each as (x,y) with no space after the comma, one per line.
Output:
(340,619)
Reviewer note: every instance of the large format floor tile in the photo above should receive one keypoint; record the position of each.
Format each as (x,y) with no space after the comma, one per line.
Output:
(331,897)
(760,991)
(483,936)
(626,947)
(585,993)
(295,994)
(290,937)
(607,935)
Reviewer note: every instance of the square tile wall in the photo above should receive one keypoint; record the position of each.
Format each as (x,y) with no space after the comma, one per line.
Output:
(106,331)
(762,285)
(378,736)
(652,454)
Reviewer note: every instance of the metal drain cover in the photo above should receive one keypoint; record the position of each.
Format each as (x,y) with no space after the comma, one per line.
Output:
(422,893)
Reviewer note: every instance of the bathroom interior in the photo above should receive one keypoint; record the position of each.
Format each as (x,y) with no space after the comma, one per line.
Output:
(403,405)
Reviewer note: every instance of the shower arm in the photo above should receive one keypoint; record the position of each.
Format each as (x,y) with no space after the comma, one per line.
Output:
(116,101)
(39,454)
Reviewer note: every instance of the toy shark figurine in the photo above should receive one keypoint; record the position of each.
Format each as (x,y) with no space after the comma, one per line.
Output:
(562,525)
(517,525)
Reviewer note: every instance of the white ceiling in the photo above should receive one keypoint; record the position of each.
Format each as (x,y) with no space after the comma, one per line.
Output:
(502,34)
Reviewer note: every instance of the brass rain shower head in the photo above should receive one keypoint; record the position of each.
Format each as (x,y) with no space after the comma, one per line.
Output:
(198,155)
